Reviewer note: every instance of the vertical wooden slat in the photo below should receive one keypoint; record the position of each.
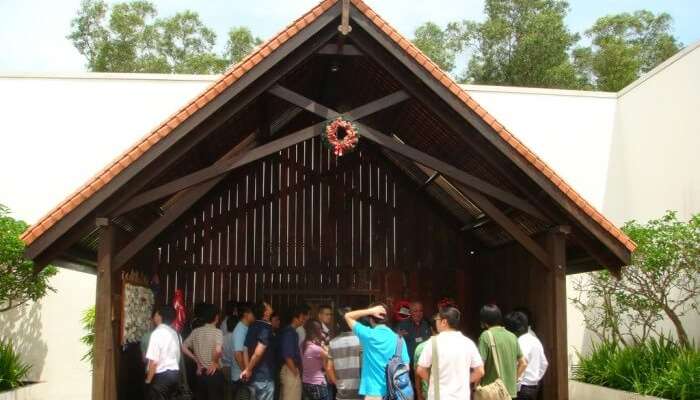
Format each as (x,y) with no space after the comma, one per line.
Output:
(275,212)
(292,210)
(284,207)
(308,212)
(356,205)
(299,213)
(365,213)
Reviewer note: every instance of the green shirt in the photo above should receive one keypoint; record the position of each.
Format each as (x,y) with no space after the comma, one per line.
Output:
(508,353)
(424,383)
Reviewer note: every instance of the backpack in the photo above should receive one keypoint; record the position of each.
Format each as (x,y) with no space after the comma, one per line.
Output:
(398,376)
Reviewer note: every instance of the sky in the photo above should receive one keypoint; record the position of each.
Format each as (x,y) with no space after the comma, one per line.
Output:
(33,32)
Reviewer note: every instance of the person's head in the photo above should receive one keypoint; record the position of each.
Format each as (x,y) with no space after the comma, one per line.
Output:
(490,315)
(417,311)
(325,314)
(342,323)
(275,321)
(528,314)
(516,322)
(245,314)
(314,332)
(448,319)
(374,321)
(299,315)
(263,310)
(433,324)
(164,314)
(209,314)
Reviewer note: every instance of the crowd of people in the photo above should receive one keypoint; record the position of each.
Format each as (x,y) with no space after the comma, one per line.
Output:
(245,353)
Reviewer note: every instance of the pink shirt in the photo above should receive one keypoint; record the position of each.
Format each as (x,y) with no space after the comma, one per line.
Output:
(312,365)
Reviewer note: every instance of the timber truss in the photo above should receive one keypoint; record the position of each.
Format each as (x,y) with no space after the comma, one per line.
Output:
(185,191)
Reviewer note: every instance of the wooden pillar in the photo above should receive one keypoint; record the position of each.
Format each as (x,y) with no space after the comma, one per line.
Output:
(556,285)
(104,378)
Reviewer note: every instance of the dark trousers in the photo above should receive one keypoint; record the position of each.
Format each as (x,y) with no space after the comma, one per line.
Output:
(163,385)
(210,387)
(528,392)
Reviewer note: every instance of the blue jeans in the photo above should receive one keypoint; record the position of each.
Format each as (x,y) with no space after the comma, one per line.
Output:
(264,390)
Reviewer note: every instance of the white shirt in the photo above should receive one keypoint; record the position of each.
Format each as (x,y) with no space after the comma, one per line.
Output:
(302,334)
(536,360)
(456,355)
(164,349)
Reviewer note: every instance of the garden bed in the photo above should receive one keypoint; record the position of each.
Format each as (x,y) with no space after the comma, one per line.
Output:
(27,391)
(586,391)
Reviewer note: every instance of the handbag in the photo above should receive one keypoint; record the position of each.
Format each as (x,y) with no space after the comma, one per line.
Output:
(435,370)
(495,390)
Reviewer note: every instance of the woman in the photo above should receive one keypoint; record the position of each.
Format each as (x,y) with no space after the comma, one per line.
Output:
(314,357)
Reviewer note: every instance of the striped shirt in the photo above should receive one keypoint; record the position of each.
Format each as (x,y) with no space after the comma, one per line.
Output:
(203,342)
(346,351)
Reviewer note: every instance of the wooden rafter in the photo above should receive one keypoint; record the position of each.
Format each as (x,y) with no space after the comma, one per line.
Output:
(410,152)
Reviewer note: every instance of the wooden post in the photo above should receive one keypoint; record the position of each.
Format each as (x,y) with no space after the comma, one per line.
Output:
(104,385)
(556,286)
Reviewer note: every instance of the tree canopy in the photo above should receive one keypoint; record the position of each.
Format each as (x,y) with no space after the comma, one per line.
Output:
(527,43)
(18,282)
(129,37)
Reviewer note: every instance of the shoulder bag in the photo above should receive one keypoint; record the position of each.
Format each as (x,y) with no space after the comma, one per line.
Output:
(495,390)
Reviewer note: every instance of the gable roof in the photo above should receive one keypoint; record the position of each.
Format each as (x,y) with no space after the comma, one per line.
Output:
(239,70)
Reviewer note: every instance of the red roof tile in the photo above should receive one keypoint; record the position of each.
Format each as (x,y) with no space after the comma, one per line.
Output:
(238,70)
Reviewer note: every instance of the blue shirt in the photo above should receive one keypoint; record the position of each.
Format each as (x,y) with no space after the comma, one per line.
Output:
(237,344)
(378,346)
(261,332)
(289,345)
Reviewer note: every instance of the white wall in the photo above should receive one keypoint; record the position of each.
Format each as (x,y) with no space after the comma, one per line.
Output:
(47,335)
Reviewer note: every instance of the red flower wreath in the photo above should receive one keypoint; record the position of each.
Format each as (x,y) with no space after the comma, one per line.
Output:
(341,136)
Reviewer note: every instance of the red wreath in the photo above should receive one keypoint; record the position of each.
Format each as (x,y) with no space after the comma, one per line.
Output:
(341,136)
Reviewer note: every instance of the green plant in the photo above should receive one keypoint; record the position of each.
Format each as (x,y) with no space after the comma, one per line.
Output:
(88,322)
(19,283)
(12,370)
(656,367)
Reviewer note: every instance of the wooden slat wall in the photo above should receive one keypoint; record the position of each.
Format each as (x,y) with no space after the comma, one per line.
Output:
(304,222)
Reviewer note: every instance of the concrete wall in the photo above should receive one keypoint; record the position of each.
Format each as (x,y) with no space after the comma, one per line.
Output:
(47,335)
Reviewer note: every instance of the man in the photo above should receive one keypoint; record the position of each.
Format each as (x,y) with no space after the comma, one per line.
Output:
(457,358)
(511,361)
(260,368)
(422,384)
(246,316)
(290,374)
(325,315)
(344,363)
(204,346)
(163,355)
(230,312)
(529,383)
(414,329)
(379,345)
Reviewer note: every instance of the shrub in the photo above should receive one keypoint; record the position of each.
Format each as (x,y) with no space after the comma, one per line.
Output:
(88,322)
(12,370)
(656,367)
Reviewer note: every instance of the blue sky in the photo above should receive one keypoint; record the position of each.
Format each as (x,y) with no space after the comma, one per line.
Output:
(32,32)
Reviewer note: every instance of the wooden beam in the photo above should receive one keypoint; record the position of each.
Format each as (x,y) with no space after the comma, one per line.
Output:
(508,225)
(556,287)
(263,150)
(405,150)
(104,374)
(181,140)
(333,49)
(447,170)
(218,169)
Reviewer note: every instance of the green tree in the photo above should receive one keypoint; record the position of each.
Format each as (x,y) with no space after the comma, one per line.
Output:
(440,45)
(128,37)
(521,43)
(241,42)
(624,46)
(186,44)
(18,282)
(663,280)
